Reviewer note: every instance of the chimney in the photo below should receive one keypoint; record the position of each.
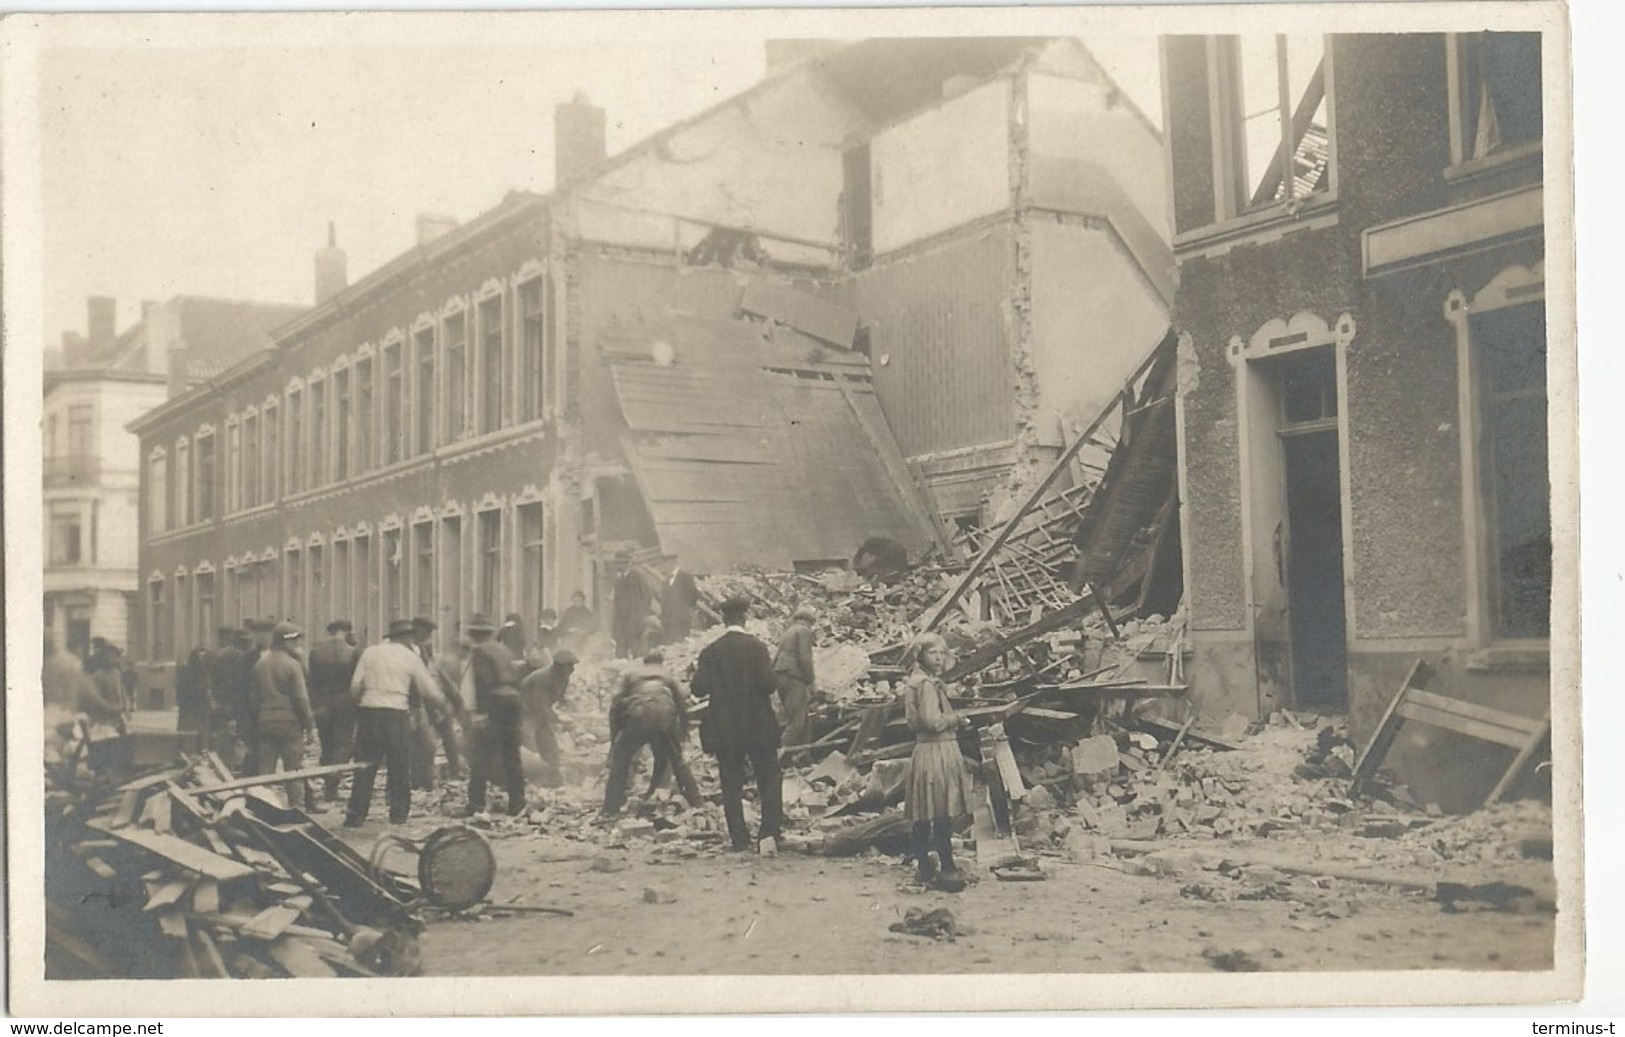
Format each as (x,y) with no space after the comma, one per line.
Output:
(102,311)
(331,278)
(164,340)
(433,225)
(578,139)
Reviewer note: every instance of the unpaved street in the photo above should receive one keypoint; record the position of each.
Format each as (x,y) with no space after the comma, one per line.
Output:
(646,908)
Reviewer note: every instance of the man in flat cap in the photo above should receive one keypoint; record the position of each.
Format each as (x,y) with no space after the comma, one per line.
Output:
(735,672)
(332,665)
(284,721)
(386,678)
(495,749)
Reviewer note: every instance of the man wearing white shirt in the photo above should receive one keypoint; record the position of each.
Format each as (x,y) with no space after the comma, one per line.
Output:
(385,679)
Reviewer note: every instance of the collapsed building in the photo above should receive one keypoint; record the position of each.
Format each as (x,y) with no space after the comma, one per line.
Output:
(862,297)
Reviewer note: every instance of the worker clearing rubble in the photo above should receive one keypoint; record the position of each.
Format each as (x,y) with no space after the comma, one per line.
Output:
(495,745)
(650,709)
(541,692)
(386,677)
(434,726)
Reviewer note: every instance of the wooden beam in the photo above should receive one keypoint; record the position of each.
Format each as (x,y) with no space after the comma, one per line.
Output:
(277,779)
(984,656)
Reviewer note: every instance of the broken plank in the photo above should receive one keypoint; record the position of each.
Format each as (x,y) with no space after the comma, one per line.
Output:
(166,894)
(100,867)
(211,953)
(1179,740)
(1212,741)
(92,845)
(172,923)
(277,778)
(985,656)
(141,784)
(125,812)
(178,851)
(206,897)
(301,960)
(271,922)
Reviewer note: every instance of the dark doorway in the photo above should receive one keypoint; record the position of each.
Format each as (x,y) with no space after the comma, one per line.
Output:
(1315,571)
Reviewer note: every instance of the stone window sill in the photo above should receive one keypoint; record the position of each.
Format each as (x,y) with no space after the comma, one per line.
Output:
(1263,223)
(1526,657)
(1528,153)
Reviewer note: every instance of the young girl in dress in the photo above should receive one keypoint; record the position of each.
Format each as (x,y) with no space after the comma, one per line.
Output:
(939,789)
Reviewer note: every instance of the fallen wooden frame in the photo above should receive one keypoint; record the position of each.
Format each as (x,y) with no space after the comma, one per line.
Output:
(1414,703)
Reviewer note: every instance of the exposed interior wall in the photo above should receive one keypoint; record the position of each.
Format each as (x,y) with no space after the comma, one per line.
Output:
(770,161)
(938,333)
(942,167)
(1086,121)
(1093,321)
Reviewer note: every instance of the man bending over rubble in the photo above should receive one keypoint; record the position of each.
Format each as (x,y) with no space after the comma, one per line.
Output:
(650,709)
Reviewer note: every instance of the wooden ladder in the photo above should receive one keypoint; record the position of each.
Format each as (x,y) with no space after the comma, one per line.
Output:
(1414,703)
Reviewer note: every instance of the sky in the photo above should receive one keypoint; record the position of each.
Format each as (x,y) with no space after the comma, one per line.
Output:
(173,167)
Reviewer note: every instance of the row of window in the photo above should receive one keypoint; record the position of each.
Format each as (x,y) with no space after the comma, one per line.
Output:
(1271,92)
(472,369)
(442,567)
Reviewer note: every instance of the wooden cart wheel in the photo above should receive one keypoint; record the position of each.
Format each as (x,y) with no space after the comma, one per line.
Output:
(456,868)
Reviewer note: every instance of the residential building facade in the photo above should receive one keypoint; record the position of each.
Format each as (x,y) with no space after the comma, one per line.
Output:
(1359,223)
(95,387)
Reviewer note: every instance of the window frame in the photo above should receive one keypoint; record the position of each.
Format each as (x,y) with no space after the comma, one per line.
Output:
(183,482)
(158,503)
(425,398)
(453,392)
(203,503)
(1232,218)
(1462,163)
(293,466)
(490,414)
(364,375)
(395,443)
(534,380)
(1513,286)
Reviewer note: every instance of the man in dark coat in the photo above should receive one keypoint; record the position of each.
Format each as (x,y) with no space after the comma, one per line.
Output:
(735,672)
(228,684)
(494,752)
(631,609)
(678,598)
(192,694)
(332,666)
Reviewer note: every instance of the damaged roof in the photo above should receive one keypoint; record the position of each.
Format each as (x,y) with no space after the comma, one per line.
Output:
(756,444)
